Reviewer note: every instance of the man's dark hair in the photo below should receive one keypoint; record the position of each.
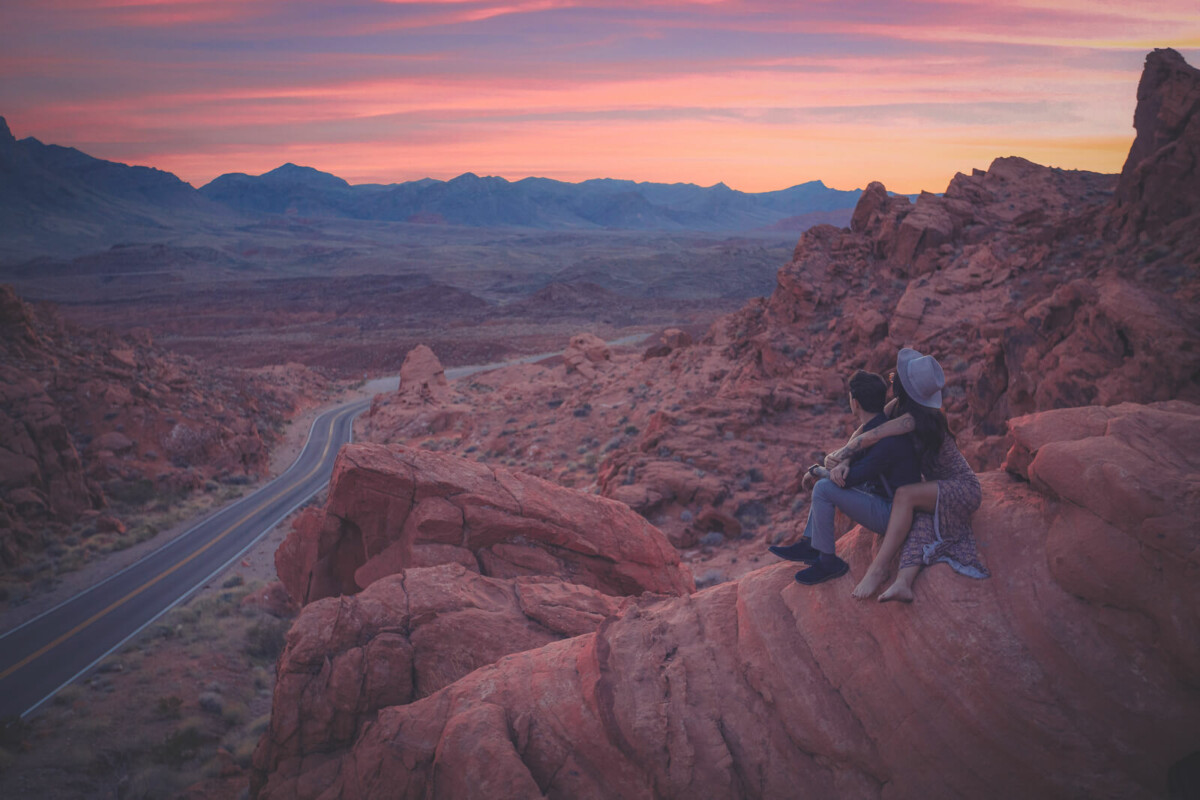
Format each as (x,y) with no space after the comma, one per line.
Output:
(869,389)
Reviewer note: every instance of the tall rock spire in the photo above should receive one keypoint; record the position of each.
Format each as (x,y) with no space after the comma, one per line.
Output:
(1160,182)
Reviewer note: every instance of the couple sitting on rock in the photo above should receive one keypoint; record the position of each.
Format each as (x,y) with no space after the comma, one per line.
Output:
(876,480)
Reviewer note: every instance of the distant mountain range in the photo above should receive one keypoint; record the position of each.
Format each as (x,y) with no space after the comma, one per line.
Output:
(531,202)
(57,200)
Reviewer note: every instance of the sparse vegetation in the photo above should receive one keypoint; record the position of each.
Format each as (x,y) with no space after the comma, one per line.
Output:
(265,639)
(150,721)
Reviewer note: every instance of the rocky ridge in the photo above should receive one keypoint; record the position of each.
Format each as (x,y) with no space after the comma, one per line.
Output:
(753,688)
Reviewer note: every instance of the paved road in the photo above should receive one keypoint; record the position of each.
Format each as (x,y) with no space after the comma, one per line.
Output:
(48,652)
(53,649)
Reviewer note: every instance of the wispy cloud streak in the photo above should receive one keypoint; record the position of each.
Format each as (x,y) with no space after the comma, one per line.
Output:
(757,93)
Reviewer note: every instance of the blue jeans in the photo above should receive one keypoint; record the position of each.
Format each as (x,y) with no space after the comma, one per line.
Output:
(865,508)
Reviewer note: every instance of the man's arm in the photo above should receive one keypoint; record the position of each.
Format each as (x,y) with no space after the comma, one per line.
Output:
(875,462)
(866,440)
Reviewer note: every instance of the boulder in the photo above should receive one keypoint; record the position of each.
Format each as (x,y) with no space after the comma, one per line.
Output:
(385,502)
(584,353)
(422,378)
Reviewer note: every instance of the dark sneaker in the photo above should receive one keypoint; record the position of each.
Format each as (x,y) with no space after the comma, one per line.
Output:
(800,551)
(819,572)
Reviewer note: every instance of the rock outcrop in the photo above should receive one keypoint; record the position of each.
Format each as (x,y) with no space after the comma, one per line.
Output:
(89,419)
(422,378)
(1069,673)
(1160,183)
(585,353)
(409,634)
(392,508)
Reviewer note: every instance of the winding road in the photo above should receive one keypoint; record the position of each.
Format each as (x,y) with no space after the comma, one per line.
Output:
(48,652)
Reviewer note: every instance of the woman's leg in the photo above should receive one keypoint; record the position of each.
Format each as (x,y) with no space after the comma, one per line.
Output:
(907,501)
(902,588)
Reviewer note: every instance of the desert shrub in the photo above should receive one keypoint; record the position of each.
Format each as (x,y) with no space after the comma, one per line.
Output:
(68,695)
(169,707)
(154,781)
(265,639)
(181,745)
(132,493)
(233,714)
(13,731)
(243,754)
(143,532)
(212,702)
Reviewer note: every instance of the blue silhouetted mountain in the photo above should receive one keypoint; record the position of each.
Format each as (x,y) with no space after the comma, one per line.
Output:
(532,202)
(289,189)
(51,197)
(58,201)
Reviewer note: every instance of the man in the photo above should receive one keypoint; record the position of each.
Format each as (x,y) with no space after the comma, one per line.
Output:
(862,488)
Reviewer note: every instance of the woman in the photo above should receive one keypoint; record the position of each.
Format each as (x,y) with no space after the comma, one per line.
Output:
(949,496)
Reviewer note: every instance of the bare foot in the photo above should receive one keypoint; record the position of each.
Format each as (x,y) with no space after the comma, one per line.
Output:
(897,591)
(868,585)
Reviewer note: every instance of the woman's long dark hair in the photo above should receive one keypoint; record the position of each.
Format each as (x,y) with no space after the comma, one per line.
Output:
(931,428)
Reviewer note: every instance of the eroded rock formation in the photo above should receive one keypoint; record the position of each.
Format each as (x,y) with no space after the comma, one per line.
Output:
(585,354)
(409,634)
(391,508)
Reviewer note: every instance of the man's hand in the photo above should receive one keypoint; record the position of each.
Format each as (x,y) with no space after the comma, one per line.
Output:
(838,474)
(812,475)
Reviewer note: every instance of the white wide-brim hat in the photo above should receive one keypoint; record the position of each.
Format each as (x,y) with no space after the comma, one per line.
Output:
(921,376)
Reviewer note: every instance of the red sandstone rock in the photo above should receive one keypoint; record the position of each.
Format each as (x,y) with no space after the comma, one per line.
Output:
(422,379)
(675,338)
(403,638)
(584,352)
(1160,183)
(385,502)
(1069,673)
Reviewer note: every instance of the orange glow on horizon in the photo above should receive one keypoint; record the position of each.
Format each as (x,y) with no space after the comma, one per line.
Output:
(758,94)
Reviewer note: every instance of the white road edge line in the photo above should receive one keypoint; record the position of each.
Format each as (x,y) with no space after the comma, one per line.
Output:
(236,504)
(185,595)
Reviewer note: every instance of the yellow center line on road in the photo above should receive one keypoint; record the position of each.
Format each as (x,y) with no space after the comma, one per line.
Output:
(90,620)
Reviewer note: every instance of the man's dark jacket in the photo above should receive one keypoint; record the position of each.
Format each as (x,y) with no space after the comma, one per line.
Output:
(886,466)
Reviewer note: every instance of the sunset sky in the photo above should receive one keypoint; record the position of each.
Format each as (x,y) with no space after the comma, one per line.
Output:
(756,93)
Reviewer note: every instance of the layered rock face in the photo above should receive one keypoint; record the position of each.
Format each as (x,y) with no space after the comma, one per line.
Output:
(87,417)
(1071,673)
(410,634)
(391,508)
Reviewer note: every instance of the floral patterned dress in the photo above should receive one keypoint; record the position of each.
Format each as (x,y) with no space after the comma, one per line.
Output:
(945,535)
